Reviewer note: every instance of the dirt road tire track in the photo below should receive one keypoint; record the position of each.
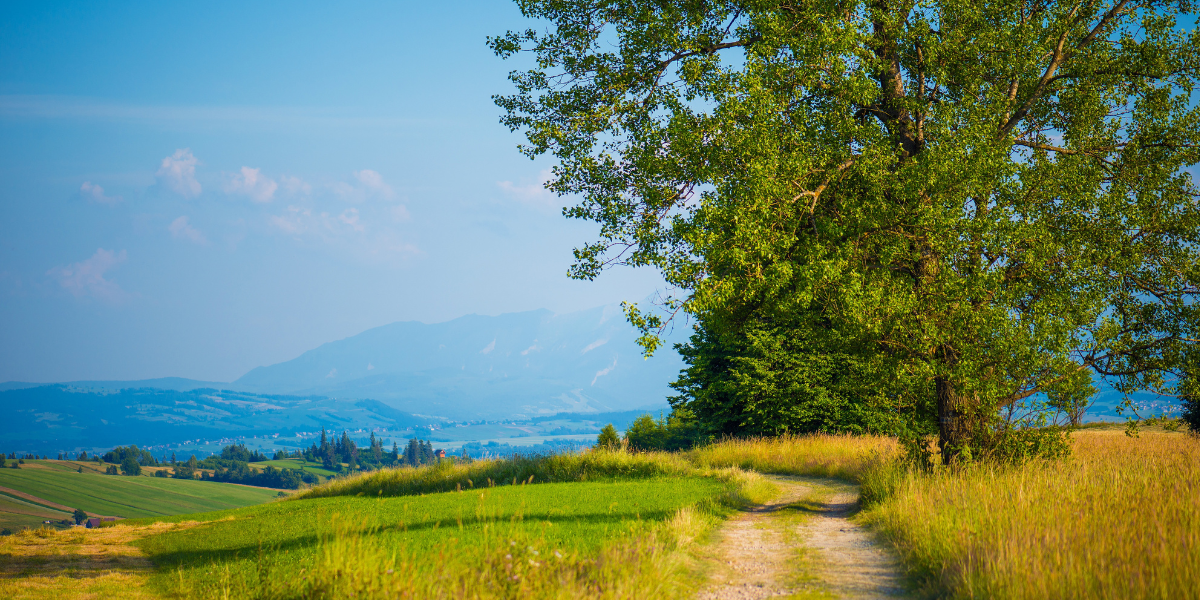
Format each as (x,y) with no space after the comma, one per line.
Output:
(755,553)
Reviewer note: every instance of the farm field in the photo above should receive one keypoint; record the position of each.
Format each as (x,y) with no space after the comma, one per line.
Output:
(294,463)
(127,496)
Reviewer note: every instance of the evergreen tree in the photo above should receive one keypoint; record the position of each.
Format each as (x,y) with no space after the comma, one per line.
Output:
(412,454)
(608,438)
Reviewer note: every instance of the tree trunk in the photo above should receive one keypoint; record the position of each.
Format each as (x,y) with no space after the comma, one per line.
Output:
(953,428)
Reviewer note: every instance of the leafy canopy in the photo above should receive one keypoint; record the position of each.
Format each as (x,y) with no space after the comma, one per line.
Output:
(981,202)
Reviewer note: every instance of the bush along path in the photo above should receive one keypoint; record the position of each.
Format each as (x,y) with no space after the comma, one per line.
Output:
(802,544)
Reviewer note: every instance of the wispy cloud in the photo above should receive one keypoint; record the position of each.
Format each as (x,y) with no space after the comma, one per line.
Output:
(373,181)
(605,371)
(86,278)
(350,217)
(367,185)
(251,182)
(94,193)
(594,345)
(533,194)
(182,230)
(295,185)
(178,172)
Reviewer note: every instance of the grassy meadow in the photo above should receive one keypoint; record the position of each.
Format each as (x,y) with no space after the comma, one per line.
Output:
(581,526)
(1119,518)
(122,496)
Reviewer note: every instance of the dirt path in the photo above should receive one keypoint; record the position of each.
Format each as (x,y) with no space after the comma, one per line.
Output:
(801,543)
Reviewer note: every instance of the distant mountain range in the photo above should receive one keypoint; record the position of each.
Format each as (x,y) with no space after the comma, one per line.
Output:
(508,366)
(520,364)
(51,418)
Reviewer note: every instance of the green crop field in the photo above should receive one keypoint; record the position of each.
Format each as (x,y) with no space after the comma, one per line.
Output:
(447,533)
(128,496)
(295,463)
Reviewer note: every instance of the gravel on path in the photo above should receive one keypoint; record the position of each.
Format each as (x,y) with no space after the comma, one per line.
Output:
(758,553)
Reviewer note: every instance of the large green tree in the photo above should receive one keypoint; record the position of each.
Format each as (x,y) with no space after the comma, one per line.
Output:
(983,202)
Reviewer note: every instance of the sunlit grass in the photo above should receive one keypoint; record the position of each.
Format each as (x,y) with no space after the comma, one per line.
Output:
(614,530)
(820,455)
(451,476)
(1120,518)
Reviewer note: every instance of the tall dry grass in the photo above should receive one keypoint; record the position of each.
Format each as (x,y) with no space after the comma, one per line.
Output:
(448,475)
(1120,518)
(821,455)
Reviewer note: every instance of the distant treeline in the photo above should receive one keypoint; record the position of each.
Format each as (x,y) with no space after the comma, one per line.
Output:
(343,455)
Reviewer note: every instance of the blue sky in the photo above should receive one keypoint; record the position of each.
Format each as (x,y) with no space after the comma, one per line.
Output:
(195,190)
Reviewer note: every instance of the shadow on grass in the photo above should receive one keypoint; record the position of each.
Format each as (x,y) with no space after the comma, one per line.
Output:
(174,558)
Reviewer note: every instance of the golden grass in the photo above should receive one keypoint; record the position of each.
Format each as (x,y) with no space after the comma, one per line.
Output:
(449,476)
(820,455)
(77,563)
(1120,518)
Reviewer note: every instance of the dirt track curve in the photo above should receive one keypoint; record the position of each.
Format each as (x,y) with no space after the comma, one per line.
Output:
(802,543)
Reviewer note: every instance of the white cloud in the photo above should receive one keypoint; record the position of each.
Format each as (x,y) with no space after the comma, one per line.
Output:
(533,348)
(182,230)
(534,194)
(369,184)
(178,172)
(605,371)
(350,217)
(489,348)
(400,213)
(594,345)
(86,278)
(295,185)
(295,221)
(95,193)
(332,373)
(251,182)
(373,181)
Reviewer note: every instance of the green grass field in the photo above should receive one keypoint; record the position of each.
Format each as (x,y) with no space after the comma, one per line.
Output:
(433,544)
(295,463)
(128,496)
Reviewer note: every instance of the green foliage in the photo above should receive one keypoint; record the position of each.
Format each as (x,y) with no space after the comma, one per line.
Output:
(677,431)
(240,453)
(130,466)
(120,454)
(269,476)
(1189,397)
(186,470)
(608,438)
(79,516)
(975,204)
(768,378)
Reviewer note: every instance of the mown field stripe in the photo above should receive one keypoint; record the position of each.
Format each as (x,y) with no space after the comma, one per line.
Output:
(34,499)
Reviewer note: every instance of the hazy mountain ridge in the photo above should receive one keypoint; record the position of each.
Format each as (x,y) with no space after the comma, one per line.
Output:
(60,416)
(517,364)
